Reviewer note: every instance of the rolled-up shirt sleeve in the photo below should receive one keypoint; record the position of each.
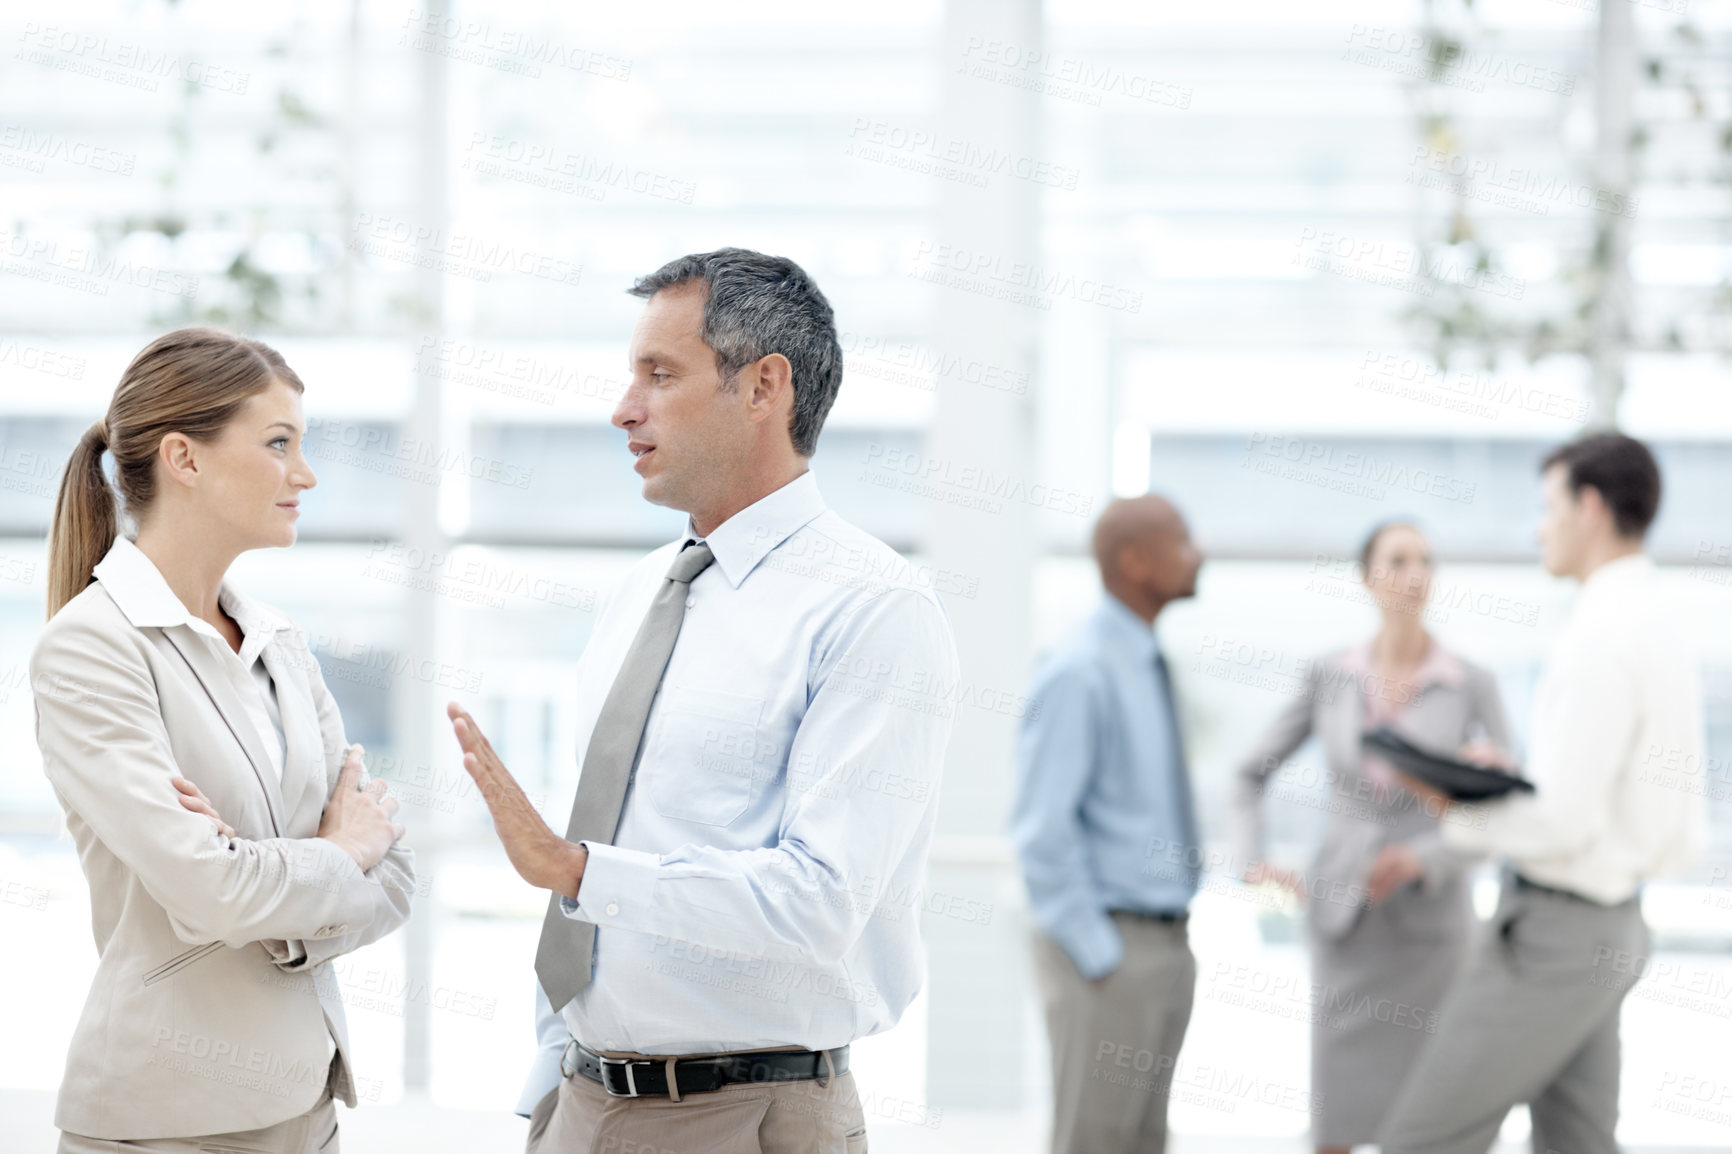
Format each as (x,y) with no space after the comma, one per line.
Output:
(1573,760)
(881,704)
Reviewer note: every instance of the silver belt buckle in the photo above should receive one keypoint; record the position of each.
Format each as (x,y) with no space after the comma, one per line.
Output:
(630,1078)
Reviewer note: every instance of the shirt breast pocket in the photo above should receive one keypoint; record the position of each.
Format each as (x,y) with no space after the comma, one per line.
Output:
(704,755)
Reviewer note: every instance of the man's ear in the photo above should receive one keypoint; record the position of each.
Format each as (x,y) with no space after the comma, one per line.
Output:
(1132,562)
(1593,503)
(179,459)
(772,378)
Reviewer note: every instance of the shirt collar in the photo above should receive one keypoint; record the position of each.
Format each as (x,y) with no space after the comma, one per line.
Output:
(1438,664)
(747,537)
(1120,623)
(1616,574)
(144,597)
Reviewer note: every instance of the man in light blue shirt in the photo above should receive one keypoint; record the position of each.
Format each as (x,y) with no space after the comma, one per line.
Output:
(1106,829)
(737,895)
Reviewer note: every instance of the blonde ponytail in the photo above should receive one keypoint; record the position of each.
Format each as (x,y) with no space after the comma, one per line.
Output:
(85,520)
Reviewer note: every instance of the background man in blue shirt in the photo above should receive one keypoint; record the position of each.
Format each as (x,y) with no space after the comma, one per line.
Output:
(1106,829)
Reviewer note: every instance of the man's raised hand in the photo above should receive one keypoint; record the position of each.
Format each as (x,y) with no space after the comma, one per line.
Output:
(539,855)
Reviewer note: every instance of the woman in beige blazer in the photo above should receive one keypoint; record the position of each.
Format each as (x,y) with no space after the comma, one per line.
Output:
(220,815)
(1386,902)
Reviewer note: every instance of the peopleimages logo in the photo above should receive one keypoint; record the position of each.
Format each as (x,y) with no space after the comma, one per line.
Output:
(36,359)
(85,269)
(1516,186)
(1445,60)
(121,62)
(37,148)
(380,449)
(1347,470)
(1018,282)
(909,363)
(967,485)
(1399,266)
(935,154)
(1477,394)
(1063,76)
(564,170)
(512,50)
(464,254)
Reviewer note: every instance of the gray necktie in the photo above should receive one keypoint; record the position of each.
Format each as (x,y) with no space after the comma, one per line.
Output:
(1187,804)
(563,957)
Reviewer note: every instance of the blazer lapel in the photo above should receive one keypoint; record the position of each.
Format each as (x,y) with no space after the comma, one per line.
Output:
(204,666)
(304,759)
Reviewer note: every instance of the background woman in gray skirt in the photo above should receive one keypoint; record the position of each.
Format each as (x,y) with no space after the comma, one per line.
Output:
(1387,903)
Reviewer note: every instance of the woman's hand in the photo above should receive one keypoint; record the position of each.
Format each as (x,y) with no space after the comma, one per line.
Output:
(193,798)
(357,818)
(1261,872)
(1396,866)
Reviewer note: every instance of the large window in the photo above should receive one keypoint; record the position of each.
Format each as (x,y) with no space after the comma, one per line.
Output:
(1237,295)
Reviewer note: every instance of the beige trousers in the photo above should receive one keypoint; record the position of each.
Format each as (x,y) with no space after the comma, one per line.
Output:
(807,1117)
(1115,1045)
(314,1132)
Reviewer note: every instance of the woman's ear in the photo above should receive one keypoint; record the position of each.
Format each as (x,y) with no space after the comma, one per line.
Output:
(179,459)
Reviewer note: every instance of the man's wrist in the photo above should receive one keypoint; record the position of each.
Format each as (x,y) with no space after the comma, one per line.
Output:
(572,859)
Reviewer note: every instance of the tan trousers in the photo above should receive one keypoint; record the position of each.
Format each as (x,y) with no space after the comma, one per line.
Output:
(1115,1045)
(314,1132)
(807,1117)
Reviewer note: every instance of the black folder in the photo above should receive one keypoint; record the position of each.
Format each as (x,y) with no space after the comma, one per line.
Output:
(1459,780)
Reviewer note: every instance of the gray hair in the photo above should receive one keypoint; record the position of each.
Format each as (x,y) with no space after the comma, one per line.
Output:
(756,305)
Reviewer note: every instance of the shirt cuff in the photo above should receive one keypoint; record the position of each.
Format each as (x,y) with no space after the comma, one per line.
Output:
(286,954)
(615,890)
(1093,944)
(544,1078)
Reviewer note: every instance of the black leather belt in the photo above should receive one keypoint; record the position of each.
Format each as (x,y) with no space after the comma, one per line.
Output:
(1522,883)
(642,1077)
(1153,916)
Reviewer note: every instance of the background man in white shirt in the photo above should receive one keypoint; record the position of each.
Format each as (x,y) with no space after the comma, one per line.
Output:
(1535,1017)
(763,710)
